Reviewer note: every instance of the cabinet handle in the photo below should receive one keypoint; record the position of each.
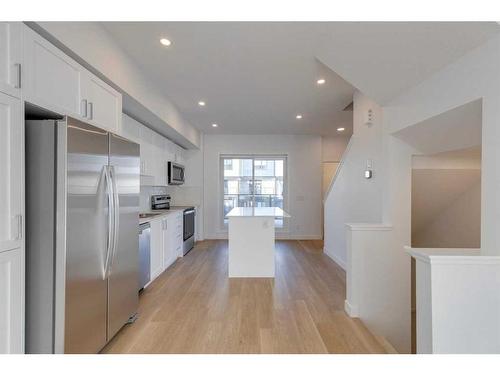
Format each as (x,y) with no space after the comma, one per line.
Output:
(84,108)
(91,111)
(19,227)
(18,83)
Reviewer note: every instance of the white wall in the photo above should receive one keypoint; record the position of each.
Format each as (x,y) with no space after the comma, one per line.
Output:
(352,198)
(97,48)
(333,147)
(474,76)
(304,178)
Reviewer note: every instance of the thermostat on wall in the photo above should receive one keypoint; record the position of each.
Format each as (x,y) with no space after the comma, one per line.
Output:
(368,173)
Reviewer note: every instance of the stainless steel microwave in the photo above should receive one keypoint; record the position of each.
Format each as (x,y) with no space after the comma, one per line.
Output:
(175,173)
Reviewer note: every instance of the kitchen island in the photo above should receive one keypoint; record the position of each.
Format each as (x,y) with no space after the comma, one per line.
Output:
(251,241)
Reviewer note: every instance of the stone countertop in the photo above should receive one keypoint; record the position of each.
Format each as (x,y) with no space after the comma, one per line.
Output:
(158,214)
(257,212)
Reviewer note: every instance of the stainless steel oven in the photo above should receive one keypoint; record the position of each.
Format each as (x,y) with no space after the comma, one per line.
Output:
(189,217)
(175,173)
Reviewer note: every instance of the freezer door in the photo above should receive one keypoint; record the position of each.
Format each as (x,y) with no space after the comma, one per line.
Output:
(87,238)
(123,282)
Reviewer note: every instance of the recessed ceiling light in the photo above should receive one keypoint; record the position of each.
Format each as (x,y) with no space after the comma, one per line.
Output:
(340,129)
(298,117)
(201,103)
(214,125)
(321,81)
(165,42)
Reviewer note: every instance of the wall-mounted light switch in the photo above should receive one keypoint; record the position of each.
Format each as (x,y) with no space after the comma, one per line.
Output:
(368,173)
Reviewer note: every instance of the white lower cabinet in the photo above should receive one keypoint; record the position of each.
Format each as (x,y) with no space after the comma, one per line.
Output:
(166,242)
(156,248)
(11,301)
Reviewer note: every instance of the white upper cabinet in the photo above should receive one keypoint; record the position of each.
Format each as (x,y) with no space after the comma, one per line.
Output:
(54,81)
(104,104)
(11,170)
(11,52)
(51,79)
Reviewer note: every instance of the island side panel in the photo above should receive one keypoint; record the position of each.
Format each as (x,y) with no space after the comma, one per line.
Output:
(251,247)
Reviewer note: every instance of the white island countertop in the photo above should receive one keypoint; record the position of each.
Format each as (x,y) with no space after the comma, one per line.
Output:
(257,212)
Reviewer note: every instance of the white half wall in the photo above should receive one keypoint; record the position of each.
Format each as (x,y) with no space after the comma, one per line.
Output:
(304,174)
(353,198)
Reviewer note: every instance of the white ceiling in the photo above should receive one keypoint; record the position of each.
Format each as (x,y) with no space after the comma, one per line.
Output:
(458,128)
(383,59)
(255,77)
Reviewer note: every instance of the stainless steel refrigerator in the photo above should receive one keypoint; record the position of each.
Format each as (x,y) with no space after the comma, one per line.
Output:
(82,210)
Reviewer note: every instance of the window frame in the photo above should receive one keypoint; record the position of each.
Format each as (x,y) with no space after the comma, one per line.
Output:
(223,226)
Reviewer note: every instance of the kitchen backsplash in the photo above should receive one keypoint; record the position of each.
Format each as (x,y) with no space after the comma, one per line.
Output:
(146,193)
(181,195)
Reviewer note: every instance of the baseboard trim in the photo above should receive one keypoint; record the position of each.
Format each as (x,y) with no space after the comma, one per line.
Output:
(279,236)
(351,310)
(336,259)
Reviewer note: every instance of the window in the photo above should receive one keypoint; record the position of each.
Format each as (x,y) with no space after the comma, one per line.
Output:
(253,181)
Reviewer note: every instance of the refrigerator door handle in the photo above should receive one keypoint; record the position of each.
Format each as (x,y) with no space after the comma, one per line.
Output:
(111,220)
(116,214)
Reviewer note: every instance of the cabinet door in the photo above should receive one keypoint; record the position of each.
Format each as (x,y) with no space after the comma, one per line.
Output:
(167,242)
(178,237)
(156,248)
(11,51)
(11,172)
(104,104)
(11,302)
(146,151)
(51,79)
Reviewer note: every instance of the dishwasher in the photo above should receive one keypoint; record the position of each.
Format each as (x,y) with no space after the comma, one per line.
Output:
(144,255)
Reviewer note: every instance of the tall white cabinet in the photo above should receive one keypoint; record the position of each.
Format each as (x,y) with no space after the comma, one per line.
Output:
(11,223)
(11,295)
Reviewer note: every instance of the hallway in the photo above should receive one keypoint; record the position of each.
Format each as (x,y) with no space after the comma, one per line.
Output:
(194,308)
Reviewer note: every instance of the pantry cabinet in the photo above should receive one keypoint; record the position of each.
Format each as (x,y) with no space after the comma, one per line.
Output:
(11,53)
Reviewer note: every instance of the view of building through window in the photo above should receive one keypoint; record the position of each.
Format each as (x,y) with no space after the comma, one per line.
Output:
(253,182)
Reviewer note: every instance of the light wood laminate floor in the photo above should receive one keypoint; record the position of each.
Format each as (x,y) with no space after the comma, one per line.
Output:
(194,308)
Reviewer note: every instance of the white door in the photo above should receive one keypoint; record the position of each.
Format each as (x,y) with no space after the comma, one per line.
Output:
(104,104)
(51,79)
(11,302)
(156,248)
(11,51)
(11,172)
